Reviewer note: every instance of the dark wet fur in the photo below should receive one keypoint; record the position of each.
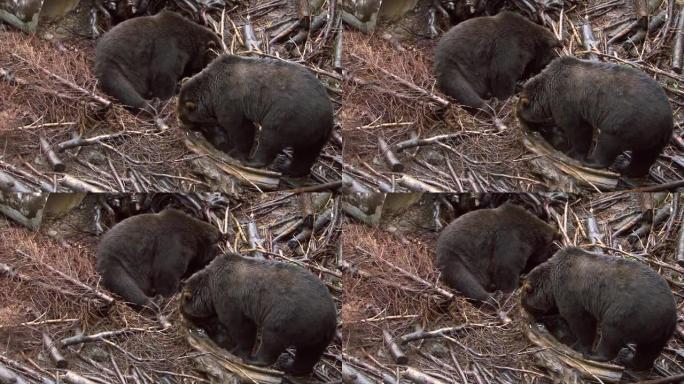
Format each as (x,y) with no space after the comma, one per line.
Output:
(486,250)
(631,110)
(625,301)
(288,304)
(234,93)
(484,57)
(148,254)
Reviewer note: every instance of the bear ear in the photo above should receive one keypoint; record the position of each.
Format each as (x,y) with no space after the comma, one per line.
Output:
(524,102)
(526,285)
(186,296)
(190,106)
(185,80)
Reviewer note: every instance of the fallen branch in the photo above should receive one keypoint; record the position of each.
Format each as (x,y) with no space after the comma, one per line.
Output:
(54,353)
(8,376)
(414,184)
(390,157)
(678,46)
(588,40)
(55,163)
(352,376)
(415,376)
(82,338)
(395,351)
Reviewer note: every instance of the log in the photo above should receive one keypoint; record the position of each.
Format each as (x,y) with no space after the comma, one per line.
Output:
(415,376)
(352,376)
(680,247)
(395,351)
(10,377)
(317,23)
(641,13)
(54,353)
(678,46)
(588,40)
(251,41)
(640,36)
(390,157)
(416,185)
(253,238)
(55,163)
(304,13)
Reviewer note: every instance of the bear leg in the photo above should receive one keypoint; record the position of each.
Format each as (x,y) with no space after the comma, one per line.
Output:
(607,149)
(116,84)
(641,163)
(459,278)
(583,326)
(270,348)
(268,147)
(241,330)
(117,280)
(455,85)
(305,360)
(609,345)
(302,161)
(578,133)
(241,134)
(645,355)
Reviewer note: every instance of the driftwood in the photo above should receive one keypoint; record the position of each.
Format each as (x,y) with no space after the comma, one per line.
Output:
(415,376)
(640,36)
(563,360)
(55,163)
(390,157)
(589,40)
(395,351)
(352,376)
(54,353)
(678,46)
(9,376)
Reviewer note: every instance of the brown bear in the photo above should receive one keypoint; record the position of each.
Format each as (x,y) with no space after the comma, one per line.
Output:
(144,58)
(486,250)
(235,296)
(629,110)
(484,57)
(148,254)
(623,300)
(230,96)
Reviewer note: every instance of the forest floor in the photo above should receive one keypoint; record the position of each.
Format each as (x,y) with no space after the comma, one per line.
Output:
(391,285)
(43,300)
(48,90)
(390,94)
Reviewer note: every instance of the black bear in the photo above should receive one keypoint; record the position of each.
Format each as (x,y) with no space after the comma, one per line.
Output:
(625,301)
(629,110)
(288,304)
(148,254)
(144,58)
(484,57)
(234,93)
(486,250)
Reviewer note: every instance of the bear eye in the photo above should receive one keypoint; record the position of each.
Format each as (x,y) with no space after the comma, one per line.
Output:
(190,106)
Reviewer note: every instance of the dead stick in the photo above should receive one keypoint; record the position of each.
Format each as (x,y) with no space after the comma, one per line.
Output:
(9,272)
(386,378)
(422,334)
(678,46)
(284,33)
(416,142)
(253,239)
(394,349)
(639,37)
(55,163)
(337,54)
(352,376)
(306,204)
(99,294)
(680,247)
(331,186)
(79,141)
(302,236)
(301,36)
(79,185)
(82,338)
(641,13)
(588,40)
(10,184)
(593,232)
(251,42)
(416,185)
(9,376)
(304,13)
(394,163)
(622,34)
(415,376)
(72,377)
(105,103)
(55,354)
